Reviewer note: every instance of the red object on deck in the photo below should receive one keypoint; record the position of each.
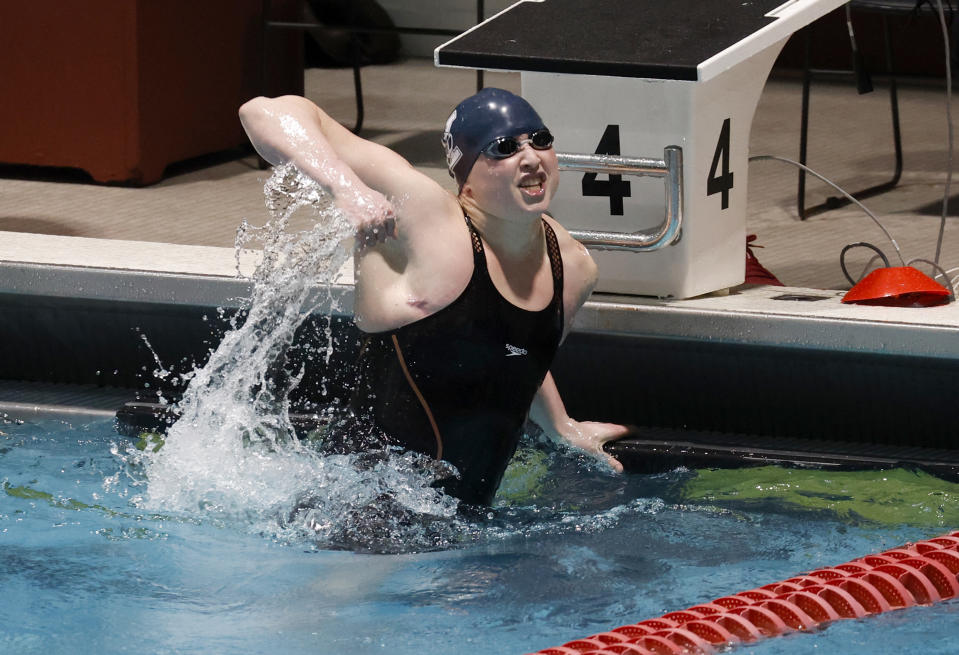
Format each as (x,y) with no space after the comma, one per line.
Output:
(915,574)
(756,273)
(897,286)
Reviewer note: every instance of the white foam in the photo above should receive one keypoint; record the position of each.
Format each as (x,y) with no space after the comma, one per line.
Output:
(233,454)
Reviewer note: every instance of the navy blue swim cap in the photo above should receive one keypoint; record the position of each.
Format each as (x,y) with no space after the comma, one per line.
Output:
(480,119)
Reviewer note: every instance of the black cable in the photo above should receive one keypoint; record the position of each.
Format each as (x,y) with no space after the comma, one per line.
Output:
(937,267)
(858,244)
(949,164)
(840,190)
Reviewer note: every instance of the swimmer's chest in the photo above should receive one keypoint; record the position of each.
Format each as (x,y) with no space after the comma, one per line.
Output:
(499,347)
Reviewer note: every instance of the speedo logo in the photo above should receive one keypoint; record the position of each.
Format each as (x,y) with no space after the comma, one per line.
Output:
(513,351)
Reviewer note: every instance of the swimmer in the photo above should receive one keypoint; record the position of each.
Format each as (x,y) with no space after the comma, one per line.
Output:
(463,299)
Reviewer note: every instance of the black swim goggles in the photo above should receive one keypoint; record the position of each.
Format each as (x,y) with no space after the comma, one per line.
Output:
(507,146)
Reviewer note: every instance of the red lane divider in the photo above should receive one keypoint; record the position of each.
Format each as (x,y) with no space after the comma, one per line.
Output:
(915,574)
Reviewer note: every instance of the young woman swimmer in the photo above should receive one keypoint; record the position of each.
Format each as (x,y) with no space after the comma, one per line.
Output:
(463,299)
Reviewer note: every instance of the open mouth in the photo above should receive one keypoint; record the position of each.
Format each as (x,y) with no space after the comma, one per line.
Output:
(533,187)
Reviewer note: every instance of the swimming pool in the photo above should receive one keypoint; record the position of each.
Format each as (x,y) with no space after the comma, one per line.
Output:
(233,538)
(568,551)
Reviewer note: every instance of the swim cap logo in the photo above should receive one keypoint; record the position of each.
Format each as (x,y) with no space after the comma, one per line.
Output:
(514,351)
(453,153)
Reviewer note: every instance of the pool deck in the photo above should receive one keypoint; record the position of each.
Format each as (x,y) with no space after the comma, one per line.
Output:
(791,317)
(186,224)
(201,203)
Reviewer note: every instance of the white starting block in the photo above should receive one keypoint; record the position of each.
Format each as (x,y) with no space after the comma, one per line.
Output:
(615,78)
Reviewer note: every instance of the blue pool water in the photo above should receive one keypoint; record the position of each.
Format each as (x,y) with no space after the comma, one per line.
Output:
(87,567)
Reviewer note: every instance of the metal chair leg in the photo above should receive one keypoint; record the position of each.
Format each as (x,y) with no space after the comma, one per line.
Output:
(357,83)
(834,202)
(804,128)
(356,51)
(480,17)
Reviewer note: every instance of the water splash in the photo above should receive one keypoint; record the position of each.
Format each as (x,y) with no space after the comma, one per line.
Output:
(234,458)
(233,454)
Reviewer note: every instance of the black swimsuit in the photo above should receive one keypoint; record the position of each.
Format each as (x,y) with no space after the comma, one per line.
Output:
(458,384)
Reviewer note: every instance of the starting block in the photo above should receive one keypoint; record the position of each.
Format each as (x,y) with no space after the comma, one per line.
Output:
(613,78)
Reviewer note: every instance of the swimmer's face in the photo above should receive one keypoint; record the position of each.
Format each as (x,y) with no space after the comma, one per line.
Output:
(523,182)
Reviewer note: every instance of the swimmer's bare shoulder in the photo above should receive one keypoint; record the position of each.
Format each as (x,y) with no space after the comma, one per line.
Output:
(427,261)
(422,270)
(580,272)
(426,251)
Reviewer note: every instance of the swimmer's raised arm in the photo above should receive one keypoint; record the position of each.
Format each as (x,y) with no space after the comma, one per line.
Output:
(403,218)
(362,176)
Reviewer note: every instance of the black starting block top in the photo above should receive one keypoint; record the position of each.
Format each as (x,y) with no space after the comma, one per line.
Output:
(659,39)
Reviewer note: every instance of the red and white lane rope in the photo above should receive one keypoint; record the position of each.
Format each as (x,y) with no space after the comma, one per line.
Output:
(915,574)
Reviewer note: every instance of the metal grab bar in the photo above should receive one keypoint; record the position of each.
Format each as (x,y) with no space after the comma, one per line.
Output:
(669,167)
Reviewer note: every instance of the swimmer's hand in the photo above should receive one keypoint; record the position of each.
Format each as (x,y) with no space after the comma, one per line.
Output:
(372,215)
(589,437)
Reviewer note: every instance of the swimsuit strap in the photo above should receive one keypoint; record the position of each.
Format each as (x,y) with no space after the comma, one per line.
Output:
(555,262)
(479,254)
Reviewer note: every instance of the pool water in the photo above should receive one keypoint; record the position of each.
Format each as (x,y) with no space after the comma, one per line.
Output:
(89,565)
